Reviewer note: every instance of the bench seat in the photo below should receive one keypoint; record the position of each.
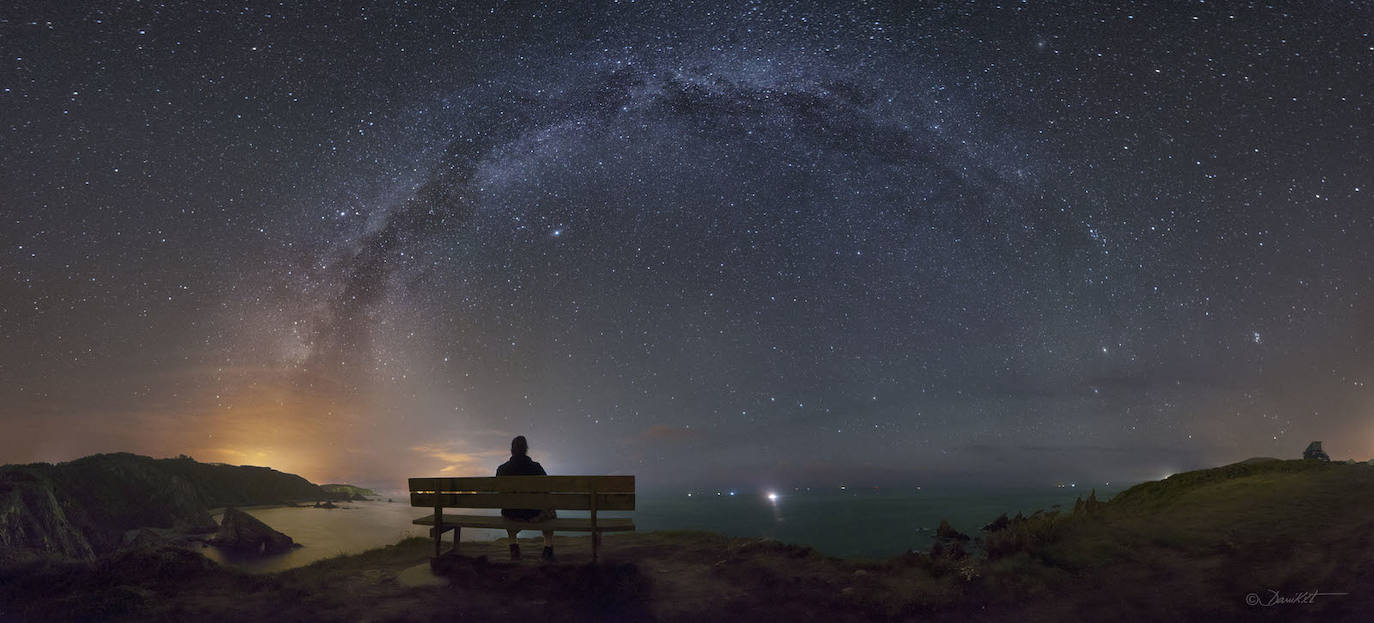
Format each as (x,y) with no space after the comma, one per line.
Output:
(561,524)
(559,493)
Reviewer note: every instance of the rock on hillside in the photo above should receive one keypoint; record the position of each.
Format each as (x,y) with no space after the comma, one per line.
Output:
(245,533)
(33,521)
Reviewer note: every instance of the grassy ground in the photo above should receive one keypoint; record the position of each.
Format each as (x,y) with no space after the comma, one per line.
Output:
(1196,545)
(1191,547)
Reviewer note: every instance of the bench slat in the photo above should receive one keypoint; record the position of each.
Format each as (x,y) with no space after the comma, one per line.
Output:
(527,484)
(559,501)
(573,524)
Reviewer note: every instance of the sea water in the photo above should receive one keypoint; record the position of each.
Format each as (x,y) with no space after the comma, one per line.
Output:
(851,523)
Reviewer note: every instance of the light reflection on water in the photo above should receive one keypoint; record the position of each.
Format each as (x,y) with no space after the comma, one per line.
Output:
(324,533)
(852,523)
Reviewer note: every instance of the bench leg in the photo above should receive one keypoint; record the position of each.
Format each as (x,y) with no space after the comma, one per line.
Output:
(596,544)
(438,528)
(457,535)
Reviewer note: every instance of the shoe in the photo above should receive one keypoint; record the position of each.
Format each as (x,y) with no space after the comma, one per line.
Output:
(515,551)
(548,554)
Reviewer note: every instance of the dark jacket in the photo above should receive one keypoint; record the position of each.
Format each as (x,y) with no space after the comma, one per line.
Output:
(521,465)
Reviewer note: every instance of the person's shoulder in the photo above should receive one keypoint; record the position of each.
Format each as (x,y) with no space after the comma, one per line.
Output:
(536,467)
(505,467)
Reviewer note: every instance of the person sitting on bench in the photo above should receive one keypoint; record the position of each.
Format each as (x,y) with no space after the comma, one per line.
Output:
(520,464)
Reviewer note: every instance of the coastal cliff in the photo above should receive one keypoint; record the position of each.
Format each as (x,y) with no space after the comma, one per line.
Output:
(81,509)
(1259,540)
(32,518)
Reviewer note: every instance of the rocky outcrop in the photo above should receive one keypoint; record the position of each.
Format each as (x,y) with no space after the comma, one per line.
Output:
(34,523)
(110,494)
(1314,452)
(348,493)
(949,543)
(1089,506)
(85,508)
(242,532)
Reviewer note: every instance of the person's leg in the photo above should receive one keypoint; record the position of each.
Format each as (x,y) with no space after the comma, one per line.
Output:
(511,535)
(548,545)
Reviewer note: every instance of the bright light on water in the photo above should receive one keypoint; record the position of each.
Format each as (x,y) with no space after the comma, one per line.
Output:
(863,522)
(857,522)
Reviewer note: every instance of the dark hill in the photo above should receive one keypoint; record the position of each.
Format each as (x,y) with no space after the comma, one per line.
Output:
(82,508)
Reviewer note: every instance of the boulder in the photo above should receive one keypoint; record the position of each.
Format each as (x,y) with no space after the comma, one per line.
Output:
(1002,522)
(1314,452)
(948,533)
(949,543)
(242,532)
(144,537)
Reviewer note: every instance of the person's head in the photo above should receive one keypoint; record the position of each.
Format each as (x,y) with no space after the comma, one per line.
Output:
(518,446)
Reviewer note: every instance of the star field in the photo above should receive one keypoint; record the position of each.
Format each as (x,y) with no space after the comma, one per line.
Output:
(757,243)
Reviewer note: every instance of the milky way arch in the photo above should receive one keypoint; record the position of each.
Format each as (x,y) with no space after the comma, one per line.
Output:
(969,181)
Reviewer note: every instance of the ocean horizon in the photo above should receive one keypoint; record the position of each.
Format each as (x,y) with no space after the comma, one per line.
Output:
(873,523)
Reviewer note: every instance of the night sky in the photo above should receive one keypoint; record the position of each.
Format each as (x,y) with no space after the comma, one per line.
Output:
(754,243)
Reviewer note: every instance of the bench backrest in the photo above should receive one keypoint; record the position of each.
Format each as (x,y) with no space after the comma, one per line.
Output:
(577,493)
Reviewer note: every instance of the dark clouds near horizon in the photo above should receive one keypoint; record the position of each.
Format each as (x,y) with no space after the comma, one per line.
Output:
(768,242)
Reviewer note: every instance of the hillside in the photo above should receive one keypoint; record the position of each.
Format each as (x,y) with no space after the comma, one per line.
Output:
(1192,547)
(1205,543)
(82,508)
(349,492)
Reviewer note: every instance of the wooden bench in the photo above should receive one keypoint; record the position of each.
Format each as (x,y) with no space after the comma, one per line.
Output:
(573,493)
